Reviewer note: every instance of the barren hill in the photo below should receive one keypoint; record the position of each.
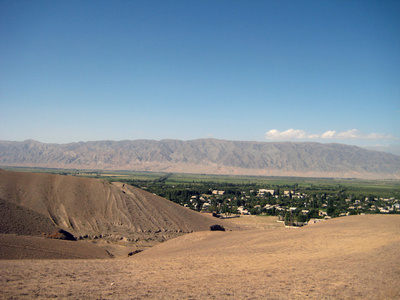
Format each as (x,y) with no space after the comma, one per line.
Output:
(34,247)
(353,257)
(17,219)
(92,208)
(207,156)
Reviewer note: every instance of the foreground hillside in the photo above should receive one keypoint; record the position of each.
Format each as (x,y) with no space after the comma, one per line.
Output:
(33,247)
(352,257)
(207,156)
(38,203)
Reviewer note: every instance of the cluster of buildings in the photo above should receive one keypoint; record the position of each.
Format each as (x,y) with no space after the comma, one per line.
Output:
(302,204)
(381,205)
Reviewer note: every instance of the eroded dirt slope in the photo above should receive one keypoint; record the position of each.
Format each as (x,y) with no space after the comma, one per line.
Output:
(97,208)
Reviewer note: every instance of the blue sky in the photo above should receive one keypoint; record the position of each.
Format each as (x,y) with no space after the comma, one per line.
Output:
(324,71)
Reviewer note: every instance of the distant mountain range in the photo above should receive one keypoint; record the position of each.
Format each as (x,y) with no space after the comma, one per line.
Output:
(208,156)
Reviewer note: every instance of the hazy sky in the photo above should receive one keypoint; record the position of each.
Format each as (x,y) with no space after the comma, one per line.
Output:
(325,71)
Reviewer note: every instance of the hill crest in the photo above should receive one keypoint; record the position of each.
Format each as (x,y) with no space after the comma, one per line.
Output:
(93,208)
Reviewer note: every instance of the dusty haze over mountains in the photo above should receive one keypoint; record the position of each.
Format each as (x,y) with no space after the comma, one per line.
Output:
(207,156)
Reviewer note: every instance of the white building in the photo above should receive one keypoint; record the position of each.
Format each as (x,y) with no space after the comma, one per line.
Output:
(264,191)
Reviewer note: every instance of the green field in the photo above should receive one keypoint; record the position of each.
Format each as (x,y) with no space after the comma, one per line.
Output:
(380,188)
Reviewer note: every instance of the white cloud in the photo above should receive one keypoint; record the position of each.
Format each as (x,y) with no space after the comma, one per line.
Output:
(351,134)
(327,135)
(287,134)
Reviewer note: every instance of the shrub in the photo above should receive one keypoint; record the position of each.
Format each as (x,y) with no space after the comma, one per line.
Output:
(217,227)
(60,235)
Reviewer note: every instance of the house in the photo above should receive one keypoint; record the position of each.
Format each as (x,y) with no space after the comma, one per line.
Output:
(262,192)
(243,211)
(313,221)
(268,206)
(322,213)
(298,196)
(206,205)
(216,192)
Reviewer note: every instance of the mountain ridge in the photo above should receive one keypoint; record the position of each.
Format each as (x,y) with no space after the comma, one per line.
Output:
(213,156)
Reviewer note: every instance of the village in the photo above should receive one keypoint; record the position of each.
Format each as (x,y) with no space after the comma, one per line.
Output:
(296,206)
(295,209)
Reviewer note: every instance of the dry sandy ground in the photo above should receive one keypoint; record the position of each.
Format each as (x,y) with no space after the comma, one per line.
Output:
(256,222)
(347,258)
(28,247)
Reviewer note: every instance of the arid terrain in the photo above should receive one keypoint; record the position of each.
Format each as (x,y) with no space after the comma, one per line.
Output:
(91,209)
(134,245)
(347,258)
